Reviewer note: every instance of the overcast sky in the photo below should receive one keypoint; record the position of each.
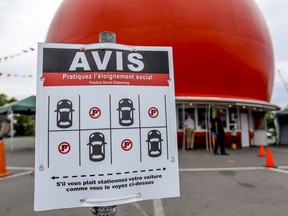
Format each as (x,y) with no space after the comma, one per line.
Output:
(24,23)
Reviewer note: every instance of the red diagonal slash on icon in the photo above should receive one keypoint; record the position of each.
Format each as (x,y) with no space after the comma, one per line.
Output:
(126,144)
(64,147)
(94,112)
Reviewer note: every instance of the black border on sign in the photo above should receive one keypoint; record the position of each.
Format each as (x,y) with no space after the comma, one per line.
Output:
(79,130)
(166,126)
(48,135)
(110,110)
(140,127)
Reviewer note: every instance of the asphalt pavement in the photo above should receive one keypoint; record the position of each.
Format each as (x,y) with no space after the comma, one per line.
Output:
(234,185)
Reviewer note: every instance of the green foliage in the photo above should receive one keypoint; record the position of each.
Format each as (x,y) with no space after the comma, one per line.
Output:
(25,125)
(4,99)
(270,120)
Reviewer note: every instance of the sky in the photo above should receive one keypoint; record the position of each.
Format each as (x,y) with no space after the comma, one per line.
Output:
(24,23)
(276,16)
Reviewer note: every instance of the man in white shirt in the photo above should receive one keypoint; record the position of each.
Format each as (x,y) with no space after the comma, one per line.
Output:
(189,132)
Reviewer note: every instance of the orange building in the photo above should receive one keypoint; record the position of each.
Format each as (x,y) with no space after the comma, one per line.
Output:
(222,50)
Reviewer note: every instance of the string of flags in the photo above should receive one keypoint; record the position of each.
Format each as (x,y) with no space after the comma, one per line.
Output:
(9,57)
(8,75)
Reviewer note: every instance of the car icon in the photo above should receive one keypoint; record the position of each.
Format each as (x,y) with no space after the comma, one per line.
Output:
(126,112)
(64,113)
(96,147)
(154,143)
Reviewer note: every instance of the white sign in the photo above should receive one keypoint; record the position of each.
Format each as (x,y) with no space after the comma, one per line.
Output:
(106,128)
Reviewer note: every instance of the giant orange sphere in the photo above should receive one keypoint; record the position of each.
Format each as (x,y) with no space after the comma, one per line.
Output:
(220,48)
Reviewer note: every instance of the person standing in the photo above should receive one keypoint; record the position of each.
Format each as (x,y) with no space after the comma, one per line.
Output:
(189,132)
(220,133)
(213,131)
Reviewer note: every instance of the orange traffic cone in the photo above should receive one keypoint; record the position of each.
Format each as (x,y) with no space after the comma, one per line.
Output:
(261,151)
(269,159)
(3,171)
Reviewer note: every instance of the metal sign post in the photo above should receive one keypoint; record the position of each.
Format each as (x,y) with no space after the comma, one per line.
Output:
(105,37)
(104,211)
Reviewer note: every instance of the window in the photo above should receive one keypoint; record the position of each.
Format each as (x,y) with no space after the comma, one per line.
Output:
(224,117)
(180,123)
(200,115)
(202,118)
(233,119)
(181,118)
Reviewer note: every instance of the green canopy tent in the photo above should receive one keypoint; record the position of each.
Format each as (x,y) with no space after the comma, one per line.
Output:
(25,106)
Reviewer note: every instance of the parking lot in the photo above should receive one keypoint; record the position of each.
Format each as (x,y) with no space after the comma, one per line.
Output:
(237,184)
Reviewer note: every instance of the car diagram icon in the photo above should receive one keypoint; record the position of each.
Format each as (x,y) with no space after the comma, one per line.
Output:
(126,112)
(64,113)
(154,143)
(96,147)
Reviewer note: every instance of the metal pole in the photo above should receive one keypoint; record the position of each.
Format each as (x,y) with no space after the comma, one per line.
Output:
(12,131)
(208,127)
(105,37)
(104,211)
(206,134)
(282,79)
(184,127)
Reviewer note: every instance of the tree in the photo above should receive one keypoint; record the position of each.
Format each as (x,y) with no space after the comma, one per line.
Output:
(25,125)
(4,99)
(270,120)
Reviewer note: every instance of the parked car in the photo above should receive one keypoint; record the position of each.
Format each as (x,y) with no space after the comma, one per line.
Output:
(97,147)
(154,143)
(64,113)
(126,112)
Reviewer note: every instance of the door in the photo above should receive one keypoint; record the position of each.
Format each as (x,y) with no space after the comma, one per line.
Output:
(244,130)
